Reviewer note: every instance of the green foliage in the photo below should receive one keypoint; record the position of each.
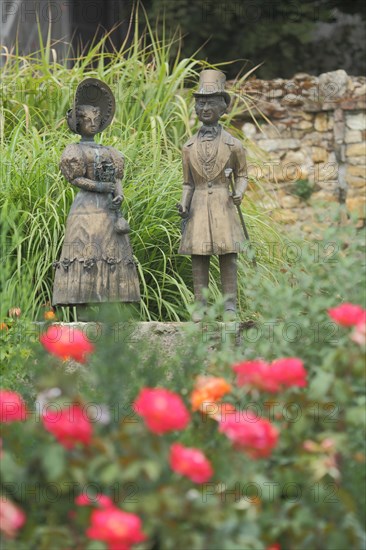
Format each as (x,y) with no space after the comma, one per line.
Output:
(302,189)
(154,117)
(283,36)
(241,31)
(297,498)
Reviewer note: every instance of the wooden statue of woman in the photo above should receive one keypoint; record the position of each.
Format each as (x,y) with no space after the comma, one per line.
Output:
(96,263)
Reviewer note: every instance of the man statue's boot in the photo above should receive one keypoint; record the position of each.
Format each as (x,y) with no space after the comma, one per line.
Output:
(200,270)
(229,283)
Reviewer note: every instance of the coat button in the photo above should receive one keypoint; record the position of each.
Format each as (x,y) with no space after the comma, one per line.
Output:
(210,184)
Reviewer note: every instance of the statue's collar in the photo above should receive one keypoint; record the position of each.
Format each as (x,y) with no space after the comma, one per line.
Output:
(208,133)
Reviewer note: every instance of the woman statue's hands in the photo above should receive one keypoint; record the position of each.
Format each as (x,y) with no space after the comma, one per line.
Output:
(117,201)
(108,186)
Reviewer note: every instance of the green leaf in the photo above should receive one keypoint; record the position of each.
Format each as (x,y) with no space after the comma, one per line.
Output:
(95,545)
(320,384)
(54,461)
(10,472)
(356,416)
(110,473)
(152,469)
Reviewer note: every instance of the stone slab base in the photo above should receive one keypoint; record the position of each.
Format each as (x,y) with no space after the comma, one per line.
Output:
(169,336)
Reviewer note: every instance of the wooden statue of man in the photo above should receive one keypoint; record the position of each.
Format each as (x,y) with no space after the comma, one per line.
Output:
(212,224)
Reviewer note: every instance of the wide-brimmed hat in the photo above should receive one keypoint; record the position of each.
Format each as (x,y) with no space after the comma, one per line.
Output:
(212,83)
(92,91)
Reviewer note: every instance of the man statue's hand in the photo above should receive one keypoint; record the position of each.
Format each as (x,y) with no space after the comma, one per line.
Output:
(182,211)
(237,198)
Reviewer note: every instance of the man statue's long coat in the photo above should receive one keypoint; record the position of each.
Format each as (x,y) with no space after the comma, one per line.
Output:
(213,225)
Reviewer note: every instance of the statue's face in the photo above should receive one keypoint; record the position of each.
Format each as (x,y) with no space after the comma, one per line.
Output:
(209,109)
(88,120)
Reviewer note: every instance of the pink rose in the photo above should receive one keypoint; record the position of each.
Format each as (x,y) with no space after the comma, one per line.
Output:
(190,462)
(271,377)
(12,518)
(162,410)
(118,529)
(256,436)
(12,407)
(347,315)
(289,372)
(103,501)
(256,374)
(69,426)
(66,342)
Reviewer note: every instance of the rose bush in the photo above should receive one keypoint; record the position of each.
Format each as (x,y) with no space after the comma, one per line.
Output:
(229,444)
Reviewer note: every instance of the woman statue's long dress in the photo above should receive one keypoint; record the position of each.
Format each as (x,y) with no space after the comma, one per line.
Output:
(96,263)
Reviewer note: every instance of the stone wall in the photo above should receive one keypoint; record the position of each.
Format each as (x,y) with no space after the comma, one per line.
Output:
(312,145)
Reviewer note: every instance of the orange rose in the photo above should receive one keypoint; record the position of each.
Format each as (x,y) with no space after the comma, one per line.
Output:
(49,315)
(208,389)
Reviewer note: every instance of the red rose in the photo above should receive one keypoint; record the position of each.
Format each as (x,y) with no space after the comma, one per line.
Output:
(69,426)
(256,436)
(12,407)
(257,374)
(162,410)
(12,518)
(347,314)
(66,342)
(190,463)
(289,372)
(118,529)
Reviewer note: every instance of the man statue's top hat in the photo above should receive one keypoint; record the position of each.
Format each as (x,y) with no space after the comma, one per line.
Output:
(212,83)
